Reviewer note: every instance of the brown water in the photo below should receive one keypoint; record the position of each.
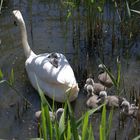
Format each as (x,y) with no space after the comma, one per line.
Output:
(47,32)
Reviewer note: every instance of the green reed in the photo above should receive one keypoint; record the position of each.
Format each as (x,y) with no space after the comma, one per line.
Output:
(1,74)
(70,128)
(106,124)
(10,80)
(1,3)
(10,83)
(137,138)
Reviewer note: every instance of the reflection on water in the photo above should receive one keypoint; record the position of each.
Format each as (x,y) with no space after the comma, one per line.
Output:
(47,32)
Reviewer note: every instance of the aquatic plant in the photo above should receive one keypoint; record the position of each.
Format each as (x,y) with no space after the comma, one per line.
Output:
(1,3)
(137,138)
(68,127)
(10,83)
(105,125)
(10,80)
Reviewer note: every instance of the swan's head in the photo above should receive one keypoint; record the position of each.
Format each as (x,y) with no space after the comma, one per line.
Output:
(18,16)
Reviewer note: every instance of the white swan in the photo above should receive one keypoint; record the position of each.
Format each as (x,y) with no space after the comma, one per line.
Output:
(58,82)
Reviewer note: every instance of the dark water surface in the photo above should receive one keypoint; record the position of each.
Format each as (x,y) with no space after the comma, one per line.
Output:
(47,32)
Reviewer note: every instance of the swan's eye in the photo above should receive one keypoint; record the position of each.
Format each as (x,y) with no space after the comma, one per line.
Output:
(15,23)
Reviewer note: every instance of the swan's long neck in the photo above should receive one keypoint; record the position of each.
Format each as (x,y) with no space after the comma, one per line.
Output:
(21,23)
(26,47)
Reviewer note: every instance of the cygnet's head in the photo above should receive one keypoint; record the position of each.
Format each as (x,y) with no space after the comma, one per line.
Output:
(103,94)
(89,81)
(125,105)
(90,89)
(58,113)
(54,62)
(53,55)
(101,66)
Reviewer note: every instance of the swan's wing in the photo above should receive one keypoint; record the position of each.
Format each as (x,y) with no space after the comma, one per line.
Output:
(41,66)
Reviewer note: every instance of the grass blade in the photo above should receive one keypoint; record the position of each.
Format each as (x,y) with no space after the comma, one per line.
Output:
(1,5)
(90,112)
(48,123)
(44,128)
(91,137)
(69,131)
(11,78)
(101,134)
(73,122)
(128,9)
(137,138)
(109,123)
(103,123)
(1,75)
(62,124)
(57,136)
(135,11)
(85,126)
(41,94)
(118,73)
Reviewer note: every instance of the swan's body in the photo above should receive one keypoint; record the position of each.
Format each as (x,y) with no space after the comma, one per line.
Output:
(54,80)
